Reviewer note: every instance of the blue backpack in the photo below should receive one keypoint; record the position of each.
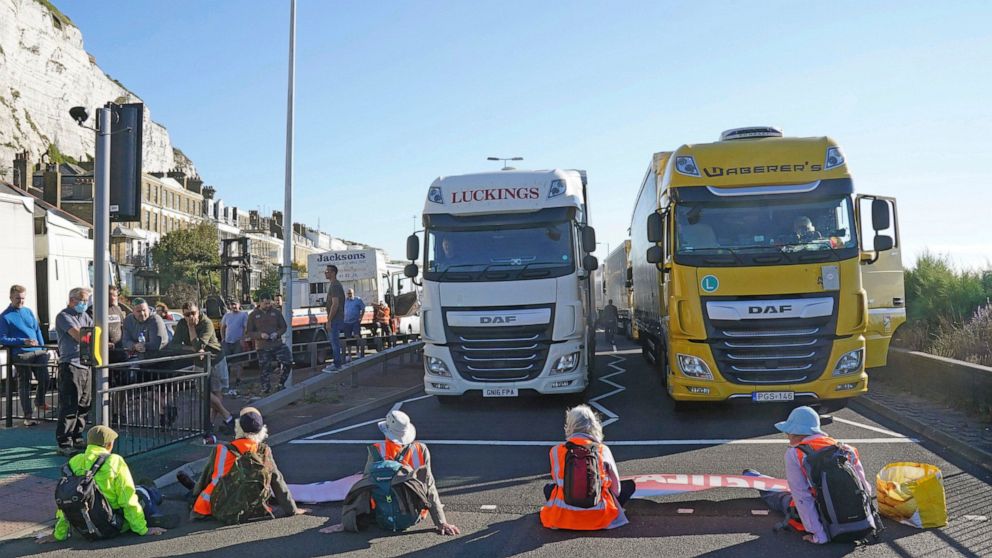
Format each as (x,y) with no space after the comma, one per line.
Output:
(394,509)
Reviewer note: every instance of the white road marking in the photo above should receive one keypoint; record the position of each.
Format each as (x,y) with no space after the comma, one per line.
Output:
(685,510)
(399,404)
(759,512)
(868,427)
(613,417)
(488,507)
(974,518)
(396,407)
(549,443)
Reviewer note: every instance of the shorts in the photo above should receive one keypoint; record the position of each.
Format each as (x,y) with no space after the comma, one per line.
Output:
(220,377)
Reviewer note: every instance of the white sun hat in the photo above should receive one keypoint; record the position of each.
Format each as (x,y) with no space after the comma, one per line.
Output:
(398,428)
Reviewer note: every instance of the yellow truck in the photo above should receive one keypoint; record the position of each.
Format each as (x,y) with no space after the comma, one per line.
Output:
(759,274)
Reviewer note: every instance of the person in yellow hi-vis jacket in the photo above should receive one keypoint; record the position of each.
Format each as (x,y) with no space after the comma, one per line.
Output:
(113,480)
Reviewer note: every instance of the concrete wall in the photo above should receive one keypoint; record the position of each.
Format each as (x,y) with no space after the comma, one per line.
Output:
(944,379)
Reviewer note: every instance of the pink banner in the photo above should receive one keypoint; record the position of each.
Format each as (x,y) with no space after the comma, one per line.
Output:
(663,485)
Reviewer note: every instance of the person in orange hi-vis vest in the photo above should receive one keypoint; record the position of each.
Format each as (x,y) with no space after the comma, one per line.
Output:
(584,435)
(799,503)
(399,433)
(250,432)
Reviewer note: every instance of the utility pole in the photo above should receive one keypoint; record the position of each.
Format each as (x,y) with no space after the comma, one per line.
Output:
(287,215)
(101,243)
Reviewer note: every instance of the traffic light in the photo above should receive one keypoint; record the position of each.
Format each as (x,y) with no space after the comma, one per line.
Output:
(125,161)
(89,346)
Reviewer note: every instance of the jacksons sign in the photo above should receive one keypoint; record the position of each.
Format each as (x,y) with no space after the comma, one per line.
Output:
(496,194)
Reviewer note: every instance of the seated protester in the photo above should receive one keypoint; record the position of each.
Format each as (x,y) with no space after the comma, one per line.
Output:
(573,502)
(800,504)
(400,446)
(196,334)
(217,495)
(133,507)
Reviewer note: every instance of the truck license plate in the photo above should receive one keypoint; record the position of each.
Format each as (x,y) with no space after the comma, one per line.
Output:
(499,392)
(773,396)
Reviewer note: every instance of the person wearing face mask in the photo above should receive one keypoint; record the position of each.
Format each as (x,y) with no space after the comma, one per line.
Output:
(75,389)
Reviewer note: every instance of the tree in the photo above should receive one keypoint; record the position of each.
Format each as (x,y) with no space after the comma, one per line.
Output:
(270,280)
(181,253)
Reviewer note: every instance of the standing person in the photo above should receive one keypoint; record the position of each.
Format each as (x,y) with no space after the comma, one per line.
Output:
(382,319)
(134,507)
(266,326)
(354,309)
(335,313)
(584,440)
(250,432)
(75,393)
(115,325)
(20,330)
(196,335)
(611,317)
(799,503)
(399,444)
(232,333)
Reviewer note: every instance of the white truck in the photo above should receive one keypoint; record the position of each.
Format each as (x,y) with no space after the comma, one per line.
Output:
(617,285)
(507,301)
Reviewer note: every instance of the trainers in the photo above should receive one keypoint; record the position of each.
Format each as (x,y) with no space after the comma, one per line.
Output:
(30,422)
(185,480)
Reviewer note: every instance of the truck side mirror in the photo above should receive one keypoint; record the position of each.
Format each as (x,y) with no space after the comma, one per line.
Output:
(588,241)
(590,263)
(655,255)
(411,270)
(412,248)
(880,215)
(656,228)
(883,242)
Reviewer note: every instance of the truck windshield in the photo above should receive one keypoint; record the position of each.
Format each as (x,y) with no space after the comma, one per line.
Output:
(756,232)
(500,254)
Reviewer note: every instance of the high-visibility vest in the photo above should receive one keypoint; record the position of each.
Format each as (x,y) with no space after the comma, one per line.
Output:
(556,514)
(816,444)
(223,460)
(391,450)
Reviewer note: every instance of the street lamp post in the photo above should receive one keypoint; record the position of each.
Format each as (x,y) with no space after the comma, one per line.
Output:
(287,216)
(504,160)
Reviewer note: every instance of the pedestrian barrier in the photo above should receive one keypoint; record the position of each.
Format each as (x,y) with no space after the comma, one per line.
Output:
(156,402)
(14,382)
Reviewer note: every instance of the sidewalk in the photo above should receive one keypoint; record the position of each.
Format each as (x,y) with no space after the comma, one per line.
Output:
(966,434)
(30,467)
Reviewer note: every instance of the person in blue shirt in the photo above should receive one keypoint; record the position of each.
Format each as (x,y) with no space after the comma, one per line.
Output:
(354,309)
(19,330)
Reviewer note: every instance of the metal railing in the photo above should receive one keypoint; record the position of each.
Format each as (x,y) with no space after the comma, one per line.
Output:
(156,402)
(15,374)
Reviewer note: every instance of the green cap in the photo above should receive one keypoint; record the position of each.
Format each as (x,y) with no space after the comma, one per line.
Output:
(101,436)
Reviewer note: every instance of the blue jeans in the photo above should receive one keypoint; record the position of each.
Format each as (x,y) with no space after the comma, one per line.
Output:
(336,327)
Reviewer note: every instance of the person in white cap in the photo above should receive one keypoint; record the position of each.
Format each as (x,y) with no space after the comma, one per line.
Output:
(803,429)
(400,433)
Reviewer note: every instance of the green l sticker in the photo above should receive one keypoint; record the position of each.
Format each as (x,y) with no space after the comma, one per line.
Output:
(710,283)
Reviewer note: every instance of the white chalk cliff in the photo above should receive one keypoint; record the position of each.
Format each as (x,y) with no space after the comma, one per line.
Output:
(44,71)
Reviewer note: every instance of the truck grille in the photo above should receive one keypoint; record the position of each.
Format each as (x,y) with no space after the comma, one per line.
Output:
(501,353)
(772,351)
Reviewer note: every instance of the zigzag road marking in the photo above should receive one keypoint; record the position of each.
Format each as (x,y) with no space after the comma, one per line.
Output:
(613,417)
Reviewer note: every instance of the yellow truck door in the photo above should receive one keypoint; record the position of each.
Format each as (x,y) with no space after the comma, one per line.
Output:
(882,278)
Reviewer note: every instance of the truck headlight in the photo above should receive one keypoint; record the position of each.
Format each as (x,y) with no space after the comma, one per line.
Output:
(566,363)
(694,367)
(436,367)
(849,363)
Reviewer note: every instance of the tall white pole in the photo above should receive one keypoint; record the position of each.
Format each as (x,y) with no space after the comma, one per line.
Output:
(287,214)
(101,243)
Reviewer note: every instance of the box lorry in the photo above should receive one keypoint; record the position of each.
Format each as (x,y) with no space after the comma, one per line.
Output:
(507,302)
(618,285)
(760,275)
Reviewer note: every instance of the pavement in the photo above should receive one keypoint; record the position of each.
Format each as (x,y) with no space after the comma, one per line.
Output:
(490,458)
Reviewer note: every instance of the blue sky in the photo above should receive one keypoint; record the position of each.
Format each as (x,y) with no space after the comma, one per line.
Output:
(390,95)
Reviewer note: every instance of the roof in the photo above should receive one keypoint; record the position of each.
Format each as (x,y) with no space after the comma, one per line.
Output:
(11,189)
(505,191)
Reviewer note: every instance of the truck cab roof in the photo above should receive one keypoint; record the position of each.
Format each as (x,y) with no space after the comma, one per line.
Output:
(506,191)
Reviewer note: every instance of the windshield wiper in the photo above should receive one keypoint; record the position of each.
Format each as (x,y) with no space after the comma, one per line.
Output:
(732,252)
(546,271)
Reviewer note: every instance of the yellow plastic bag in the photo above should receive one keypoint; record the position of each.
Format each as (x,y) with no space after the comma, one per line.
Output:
(912,493)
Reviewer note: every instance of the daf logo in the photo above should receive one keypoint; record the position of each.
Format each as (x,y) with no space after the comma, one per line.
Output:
(770,309)
(497,319)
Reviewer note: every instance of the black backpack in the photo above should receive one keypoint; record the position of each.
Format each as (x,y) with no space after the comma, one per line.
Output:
(845,507)
(583,487)
(84,506)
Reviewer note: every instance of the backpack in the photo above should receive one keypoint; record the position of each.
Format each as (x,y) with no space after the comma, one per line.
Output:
(84,506)
(583,487)
(394,510)
(242,493)
(845,507)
